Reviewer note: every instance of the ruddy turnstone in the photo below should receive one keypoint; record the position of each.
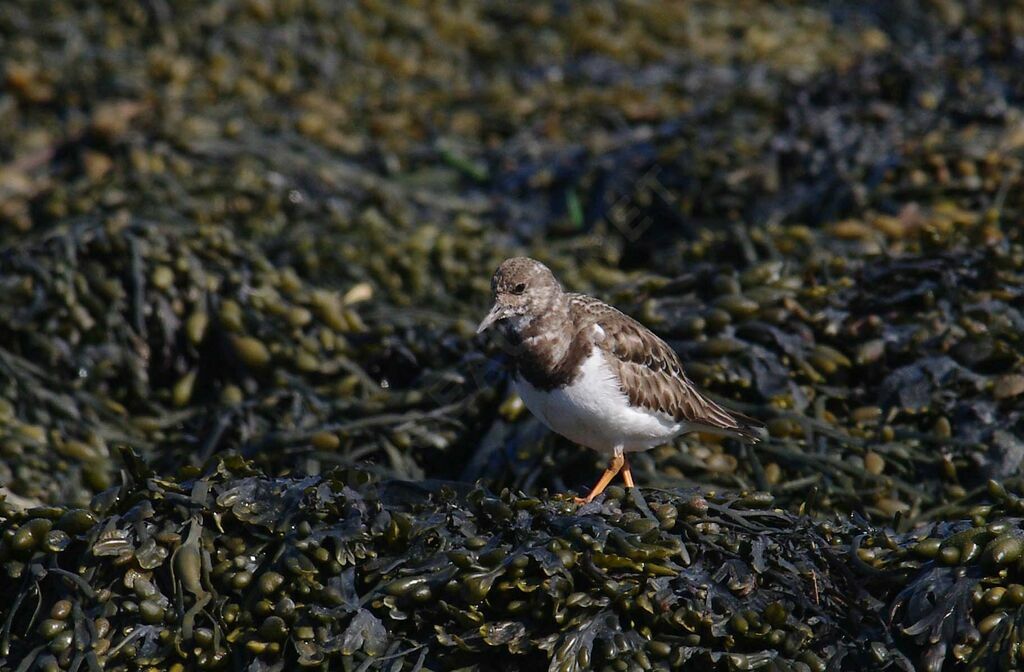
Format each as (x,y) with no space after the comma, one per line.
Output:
(595,375)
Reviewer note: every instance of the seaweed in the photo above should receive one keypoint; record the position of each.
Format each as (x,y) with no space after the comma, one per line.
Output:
(244,420)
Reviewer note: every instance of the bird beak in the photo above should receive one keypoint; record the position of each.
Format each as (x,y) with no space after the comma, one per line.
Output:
(497,313)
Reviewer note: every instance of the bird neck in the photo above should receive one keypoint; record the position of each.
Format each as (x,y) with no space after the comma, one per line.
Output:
(544,342)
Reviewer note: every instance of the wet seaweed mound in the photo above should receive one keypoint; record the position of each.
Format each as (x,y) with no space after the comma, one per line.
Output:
(341,571)
(245,422)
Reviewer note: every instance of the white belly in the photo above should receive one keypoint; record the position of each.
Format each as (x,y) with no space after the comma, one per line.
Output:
(595,412)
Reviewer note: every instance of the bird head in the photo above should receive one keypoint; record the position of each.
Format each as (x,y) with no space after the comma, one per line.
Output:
(523,288)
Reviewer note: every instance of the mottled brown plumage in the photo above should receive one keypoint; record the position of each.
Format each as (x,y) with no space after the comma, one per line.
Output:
(650,372)
(583,355)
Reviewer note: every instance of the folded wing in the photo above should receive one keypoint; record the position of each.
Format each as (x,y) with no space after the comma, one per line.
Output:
(651,374)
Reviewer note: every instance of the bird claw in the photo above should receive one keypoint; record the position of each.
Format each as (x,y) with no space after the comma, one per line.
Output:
(580,500)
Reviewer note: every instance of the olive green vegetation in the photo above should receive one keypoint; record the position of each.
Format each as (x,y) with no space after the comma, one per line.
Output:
(244,421)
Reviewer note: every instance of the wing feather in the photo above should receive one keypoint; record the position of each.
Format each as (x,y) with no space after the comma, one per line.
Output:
(651,373)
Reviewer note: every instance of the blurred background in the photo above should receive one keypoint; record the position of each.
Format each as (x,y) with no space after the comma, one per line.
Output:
(267,228)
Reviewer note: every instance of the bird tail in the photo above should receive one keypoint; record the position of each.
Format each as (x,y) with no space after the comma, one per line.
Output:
(718,420)
(748,428)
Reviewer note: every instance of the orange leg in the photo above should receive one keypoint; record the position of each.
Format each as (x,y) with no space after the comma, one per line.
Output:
(614,467)
(627,473)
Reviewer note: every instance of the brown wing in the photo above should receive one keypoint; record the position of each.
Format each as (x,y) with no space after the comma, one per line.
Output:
(650,371)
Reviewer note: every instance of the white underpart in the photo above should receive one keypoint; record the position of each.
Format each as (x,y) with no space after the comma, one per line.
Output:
(595,412)
(519,322)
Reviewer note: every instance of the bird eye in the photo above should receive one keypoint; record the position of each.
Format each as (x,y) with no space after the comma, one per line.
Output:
(519,289)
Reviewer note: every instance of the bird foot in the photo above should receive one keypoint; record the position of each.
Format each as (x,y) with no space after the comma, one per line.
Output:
(581,500)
